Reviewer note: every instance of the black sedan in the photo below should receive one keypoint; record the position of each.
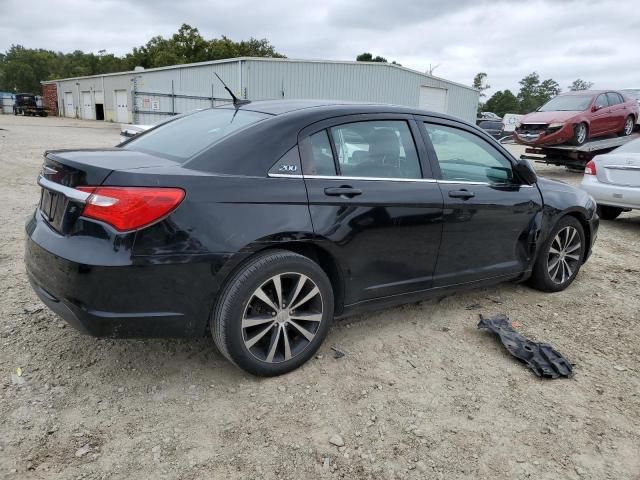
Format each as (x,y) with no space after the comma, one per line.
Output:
(259,223)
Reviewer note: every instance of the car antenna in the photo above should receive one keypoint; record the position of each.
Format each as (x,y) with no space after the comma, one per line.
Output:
(236,101)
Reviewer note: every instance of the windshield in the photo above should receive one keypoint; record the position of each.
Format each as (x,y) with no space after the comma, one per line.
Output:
(631,147)
(181,138)
(567,103)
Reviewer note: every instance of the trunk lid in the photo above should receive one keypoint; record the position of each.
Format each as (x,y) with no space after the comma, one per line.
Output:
(621,169)
(60,203)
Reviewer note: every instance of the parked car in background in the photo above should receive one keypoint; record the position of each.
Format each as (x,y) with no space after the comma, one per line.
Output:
(128,131)
(260,223)
(613,180)
(488,116)
(495,128)
(633,93)
(576,117)
(28,104)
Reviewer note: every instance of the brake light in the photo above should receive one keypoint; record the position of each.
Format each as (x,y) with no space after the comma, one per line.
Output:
(590,168)
(130,208)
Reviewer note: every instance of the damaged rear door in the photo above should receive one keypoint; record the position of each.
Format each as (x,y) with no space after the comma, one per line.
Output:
(489,216)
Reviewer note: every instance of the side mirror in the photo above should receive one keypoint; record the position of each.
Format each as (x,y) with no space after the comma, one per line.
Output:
(596,107)
(525,172)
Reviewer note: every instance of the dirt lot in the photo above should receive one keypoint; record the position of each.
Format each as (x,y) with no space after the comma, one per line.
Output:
(99,408)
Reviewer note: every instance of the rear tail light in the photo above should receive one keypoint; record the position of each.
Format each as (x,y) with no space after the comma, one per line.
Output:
(590,168)
(130,208)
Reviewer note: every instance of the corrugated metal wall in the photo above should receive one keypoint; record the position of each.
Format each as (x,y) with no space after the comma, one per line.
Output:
(261,79)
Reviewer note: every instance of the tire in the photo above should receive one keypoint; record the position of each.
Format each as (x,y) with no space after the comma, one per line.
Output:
(629,125)
(548,278)
(580,134)
(286,338)
(606,212)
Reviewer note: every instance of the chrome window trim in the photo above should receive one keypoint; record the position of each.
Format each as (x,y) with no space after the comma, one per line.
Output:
(391,179)
(622,167)
(70,193)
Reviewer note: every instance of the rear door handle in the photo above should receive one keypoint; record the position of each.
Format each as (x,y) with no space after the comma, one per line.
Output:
(344,191)
(464,194)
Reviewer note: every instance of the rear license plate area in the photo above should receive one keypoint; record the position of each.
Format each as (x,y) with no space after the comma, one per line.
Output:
(51,205)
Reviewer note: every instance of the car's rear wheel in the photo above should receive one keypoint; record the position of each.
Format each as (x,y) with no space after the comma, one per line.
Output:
(580,133)
(628,127)
(561,257)
(274,313)
(608,213)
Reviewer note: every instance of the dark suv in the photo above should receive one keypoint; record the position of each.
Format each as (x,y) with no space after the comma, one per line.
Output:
(260,223)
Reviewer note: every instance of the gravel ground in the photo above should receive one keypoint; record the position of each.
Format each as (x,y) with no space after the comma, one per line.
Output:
(421,392)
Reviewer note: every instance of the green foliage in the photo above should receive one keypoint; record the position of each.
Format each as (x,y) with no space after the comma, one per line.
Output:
(580,84)
(22,69)
(480,83)
(367,57)
(502,102)
(534,93)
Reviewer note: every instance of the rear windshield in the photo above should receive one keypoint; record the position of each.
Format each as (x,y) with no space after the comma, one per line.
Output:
(569,103)
(182,138)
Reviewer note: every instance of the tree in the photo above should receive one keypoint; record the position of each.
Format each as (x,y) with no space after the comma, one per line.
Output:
(534,93)
(367,57)
(22,69)
(502,102)
(580,85)
(480,84)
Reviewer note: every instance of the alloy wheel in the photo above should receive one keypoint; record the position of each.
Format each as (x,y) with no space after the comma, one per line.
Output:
(628,126)
(282,317)
(581,134)
(564,255)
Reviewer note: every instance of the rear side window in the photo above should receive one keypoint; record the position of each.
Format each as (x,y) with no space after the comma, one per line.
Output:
(614,98)
(369,149)
(182,138)
(464,157)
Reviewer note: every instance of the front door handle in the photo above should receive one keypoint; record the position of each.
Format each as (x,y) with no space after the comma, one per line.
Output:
(343,191)
(464,194)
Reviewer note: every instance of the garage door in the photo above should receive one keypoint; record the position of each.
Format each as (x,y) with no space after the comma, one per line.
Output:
(122,111)
(87,107)
(434,99)
(69,109)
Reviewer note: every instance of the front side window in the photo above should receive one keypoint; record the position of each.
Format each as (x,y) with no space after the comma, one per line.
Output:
(463,156)
(182,138)
(602,101)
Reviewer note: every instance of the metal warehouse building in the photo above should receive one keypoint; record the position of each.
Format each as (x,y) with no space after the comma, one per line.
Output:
(147,96)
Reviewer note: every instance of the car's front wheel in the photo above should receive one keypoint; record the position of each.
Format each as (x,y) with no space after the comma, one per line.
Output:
(580,134)
(561,257)
(274,313)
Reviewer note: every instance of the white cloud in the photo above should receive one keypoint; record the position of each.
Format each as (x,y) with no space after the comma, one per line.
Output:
(563,40)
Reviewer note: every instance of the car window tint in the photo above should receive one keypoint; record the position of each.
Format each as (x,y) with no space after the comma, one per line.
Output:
(185,136)
(602,101)
(614,98)
(321,161)
(380,149)
(463,156)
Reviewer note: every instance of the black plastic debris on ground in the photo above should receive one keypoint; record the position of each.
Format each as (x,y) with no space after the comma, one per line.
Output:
(539,357)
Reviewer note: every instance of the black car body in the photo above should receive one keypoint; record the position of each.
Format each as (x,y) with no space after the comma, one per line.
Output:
(495,128)
(377,197)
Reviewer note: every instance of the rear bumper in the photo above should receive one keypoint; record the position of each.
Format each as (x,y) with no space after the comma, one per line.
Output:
(147,297)
(611,195)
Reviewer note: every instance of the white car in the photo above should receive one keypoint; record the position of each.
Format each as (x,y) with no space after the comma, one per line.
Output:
(613,180)
(128,131)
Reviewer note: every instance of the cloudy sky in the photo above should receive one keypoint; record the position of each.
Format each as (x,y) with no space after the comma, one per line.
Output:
(598,41)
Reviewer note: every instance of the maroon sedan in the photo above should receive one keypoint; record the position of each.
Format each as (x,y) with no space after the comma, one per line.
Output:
(575,117)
